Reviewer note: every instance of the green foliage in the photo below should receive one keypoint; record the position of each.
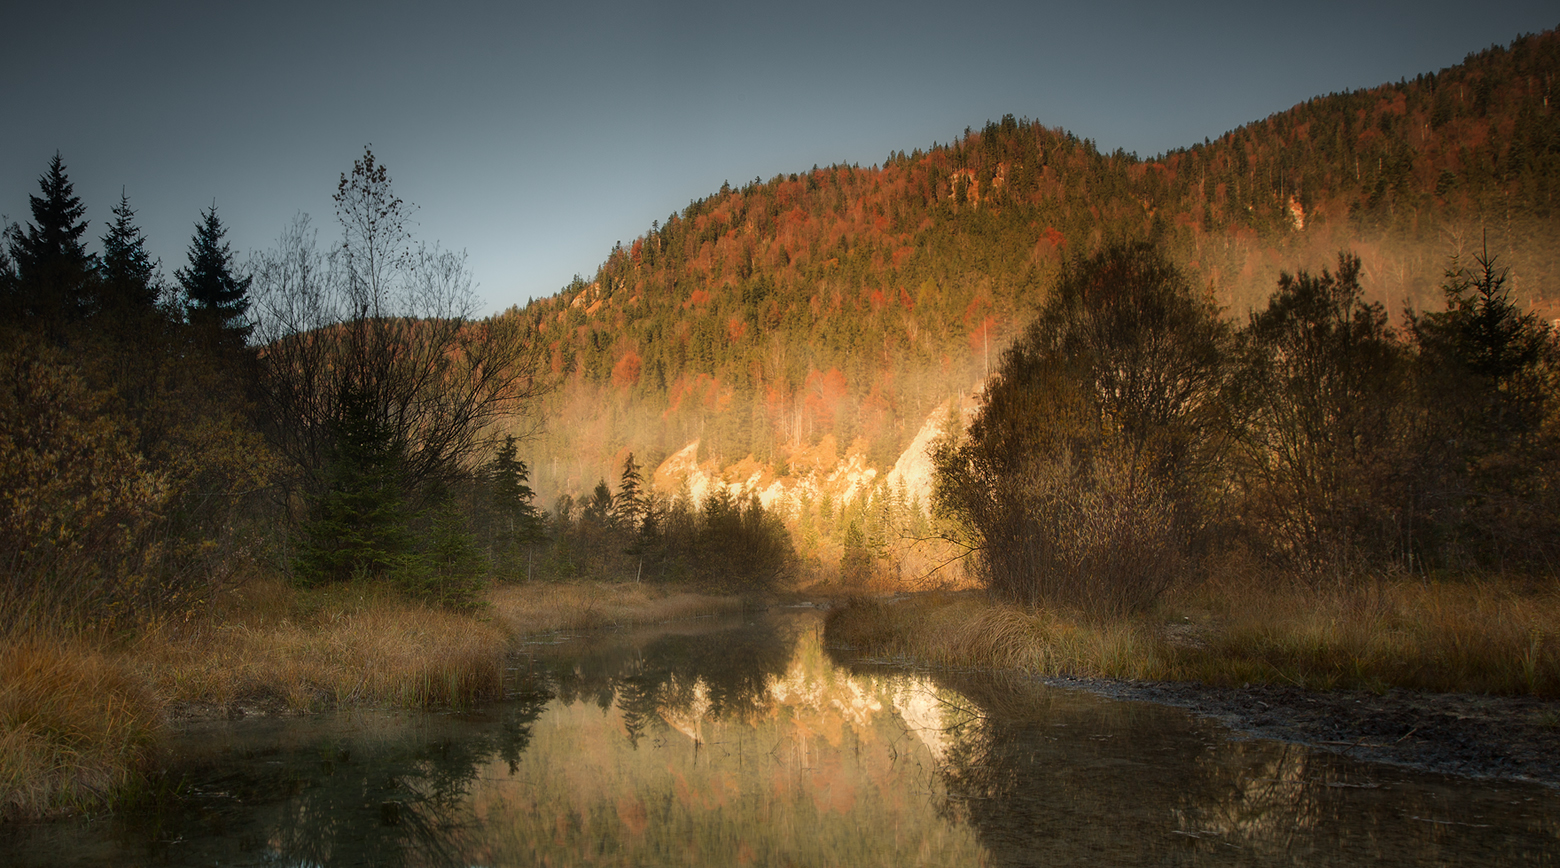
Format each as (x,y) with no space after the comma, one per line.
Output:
(1486,383)
(358,526)
(448,567)
(509,523)
(723,544)
(130,286)
(855,560)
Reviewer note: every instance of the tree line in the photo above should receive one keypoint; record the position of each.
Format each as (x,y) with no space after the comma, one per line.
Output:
(721,542)
(848,301)
(324,411)
(1132,439)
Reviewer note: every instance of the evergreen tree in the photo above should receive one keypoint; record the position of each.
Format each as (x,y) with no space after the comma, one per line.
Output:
(598,510)
(130,287)
(54,271)
(628,507)
(511,496)
(358,526)
(215,297)
(855,559)
(1485,370)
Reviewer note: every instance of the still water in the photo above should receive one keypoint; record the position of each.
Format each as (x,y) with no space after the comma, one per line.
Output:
(747,743)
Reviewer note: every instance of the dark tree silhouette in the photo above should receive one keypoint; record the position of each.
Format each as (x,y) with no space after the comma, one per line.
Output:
(130,287)
(54,271)
(215,297)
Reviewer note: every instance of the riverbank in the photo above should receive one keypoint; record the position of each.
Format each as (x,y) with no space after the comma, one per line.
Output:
(81,714)
(1458,678)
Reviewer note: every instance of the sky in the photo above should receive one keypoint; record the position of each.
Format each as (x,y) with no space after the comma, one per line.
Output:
(536,136)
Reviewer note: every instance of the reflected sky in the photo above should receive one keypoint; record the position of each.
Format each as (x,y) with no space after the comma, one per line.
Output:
(730,743)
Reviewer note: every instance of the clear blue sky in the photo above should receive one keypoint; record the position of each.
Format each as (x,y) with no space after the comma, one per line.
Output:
(534,136)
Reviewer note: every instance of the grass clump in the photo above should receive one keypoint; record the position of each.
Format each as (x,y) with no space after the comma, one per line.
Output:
(1495,636)
(968,632)
(77,727)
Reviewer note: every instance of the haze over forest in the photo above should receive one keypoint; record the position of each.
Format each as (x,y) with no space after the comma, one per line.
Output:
(838,307)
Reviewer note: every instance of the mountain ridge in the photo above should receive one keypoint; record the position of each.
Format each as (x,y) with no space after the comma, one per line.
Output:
(850,303)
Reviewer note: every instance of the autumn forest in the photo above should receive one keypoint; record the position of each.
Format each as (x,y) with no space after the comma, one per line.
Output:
(1310,359)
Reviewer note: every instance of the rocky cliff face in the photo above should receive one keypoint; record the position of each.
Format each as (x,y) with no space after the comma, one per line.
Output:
(821,495)
(813,475)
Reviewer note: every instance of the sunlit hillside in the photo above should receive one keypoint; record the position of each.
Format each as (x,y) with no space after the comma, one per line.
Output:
(822,316)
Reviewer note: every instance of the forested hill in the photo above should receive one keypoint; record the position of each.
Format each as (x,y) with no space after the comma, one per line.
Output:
(847,302)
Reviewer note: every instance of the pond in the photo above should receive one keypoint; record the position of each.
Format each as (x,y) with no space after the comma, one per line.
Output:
(732,742)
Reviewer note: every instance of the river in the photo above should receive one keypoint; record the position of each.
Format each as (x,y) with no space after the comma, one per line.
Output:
(746,742)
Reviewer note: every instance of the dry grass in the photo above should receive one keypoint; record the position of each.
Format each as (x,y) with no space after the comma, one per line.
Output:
(970,633)
(80,716)
(339,646)
(1471,637)
(539,608)
(76,727)
(1475,636)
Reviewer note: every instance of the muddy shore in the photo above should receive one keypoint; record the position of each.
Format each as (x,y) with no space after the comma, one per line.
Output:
(1498,737)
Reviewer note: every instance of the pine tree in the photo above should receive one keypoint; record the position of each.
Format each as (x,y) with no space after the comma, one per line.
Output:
(215,297)
(511,496)
(54,271)
(358,526)
(130,287)
(855,559)
(628,507)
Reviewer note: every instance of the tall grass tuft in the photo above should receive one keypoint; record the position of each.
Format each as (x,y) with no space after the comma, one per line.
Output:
(76,727)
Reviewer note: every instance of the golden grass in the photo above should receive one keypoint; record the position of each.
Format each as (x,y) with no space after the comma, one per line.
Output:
(1474,636)
(338,646)
(543,607)
(1491,637)
(76,727)
(970,633)
(80,717)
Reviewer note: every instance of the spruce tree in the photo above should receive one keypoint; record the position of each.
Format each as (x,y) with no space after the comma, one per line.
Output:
(214,296)
(358,527)
(628,507)
(54,272)
(511,496)
(128,272)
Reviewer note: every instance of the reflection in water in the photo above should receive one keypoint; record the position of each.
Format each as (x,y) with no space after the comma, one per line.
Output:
(733,744)
(1056,777)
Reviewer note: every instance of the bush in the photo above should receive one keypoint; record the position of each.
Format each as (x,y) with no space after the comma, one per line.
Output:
(1087,475)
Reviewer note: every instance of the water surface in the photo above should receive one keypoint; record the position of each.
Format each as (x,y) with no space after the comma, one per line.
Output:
(725,742)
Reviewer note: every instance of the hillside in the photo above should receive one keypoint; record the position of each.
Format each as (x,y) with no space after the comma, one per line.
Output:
(825,314)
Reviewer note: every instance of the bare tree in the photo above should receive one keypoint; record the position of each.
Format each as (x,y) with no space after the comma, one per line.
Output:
(383,323)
